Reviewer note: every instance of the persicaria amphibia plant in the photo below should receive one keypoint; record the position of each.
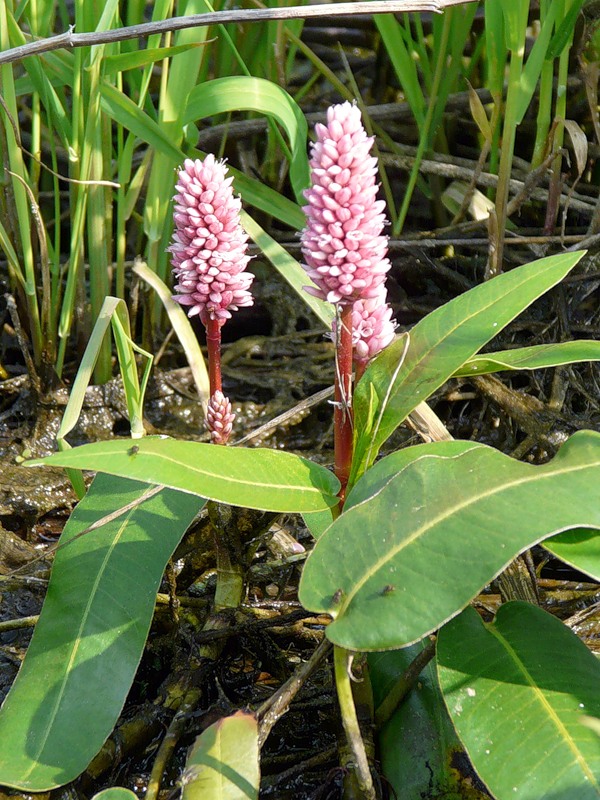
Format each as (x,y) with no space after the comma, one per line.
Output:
(346,255)
(209,259)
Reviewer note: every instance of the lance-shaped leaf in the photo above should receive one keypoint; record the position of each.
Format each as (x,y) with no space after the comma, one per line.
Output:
(518,691)
(538,356)
(91,633)
(270,480)
(396,382)
(398,565)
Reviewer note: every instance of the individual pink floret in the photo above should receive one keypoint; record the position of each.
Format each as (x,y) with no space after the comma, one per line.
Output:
(219,418)
(208,251)
(343,245)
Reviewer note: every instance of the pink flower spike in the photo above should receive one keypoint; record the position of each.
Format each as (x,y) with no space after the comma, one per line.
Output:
(343,245)
(208,250)
(219,418)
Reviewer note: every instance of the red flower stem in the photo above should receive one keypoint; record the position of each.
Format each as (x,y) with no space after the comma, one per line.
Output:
(213,344)
(342,417)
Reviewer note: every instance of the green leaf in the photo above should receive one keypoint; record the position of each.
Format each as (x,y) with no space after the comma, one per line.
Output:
(115,793)
(539,356)
(530,74)
(563,37)
(91,633)
(223,764)
(418,743)
(318,522)
(400,564)
(387,468)
(439,345)
(245,93)
(403,62)
(517,691)
(270,480)
(580,548)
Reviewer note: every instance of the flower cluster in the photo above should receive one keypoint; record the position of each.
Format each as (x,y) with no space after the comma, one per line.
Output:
(208,251)
(219,418)
(342,243)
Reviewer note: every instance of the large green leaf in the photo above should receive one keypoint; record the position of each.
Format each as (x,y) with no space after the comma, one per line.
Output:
(223,763)
(270,480)
(439,345)
(418,744)
(517,691)
(580,548)
(246,93)
(387,468)
(398,565)
(90,636)
(538,356)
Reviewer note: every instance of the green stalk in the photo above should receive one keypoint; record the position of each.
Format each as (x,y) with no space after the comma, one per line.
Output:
(544,115)
(99,237)
(560,114)
(342,666)
(509,132)
(425,130)
(12,157)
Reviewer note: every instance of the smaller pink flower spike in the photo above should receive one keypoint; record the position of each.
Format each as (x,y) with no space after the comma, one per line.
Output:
(372,327)
(208,251)
(219,418)
(343,245)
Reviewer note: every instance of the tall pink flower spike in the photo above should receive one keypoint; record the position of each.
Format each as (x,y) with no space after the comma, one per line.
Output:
(342,243)
(208,252)
(346,257)
(209,259)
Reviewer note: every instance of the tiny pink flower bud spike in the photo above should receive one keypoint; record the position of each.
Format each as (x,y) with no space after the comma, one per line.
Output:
(372,329)
(209,253)
(219,418)
(346,252)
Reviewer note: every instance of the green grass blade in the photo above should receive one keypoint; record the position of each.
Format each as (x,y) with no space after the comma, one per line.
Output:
(182,327)
(288,268)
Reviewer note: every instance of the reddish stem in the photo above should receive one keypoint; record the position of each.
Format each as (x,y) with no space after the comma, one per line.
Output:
(213,345)
(359,370)
(342,417)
